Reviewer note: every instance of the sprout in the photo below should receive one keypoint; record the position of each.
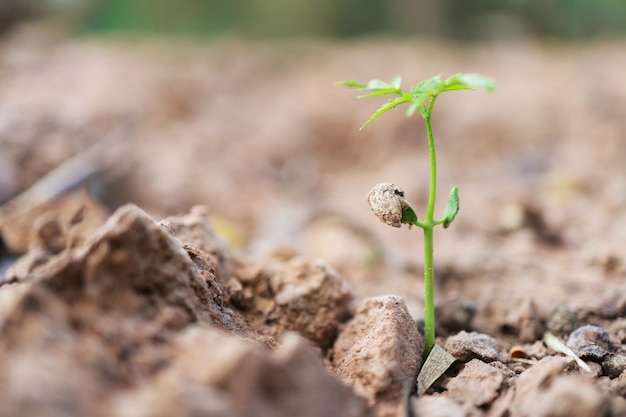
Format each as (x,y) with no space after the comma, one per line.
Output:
(387,201)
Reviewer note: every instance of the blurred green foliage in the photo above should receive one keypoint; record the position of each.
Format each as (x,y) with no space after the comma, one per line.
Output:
(461,19)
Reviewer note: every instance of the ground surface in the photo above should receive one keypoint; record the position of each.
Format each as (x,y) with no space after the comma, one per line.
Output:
(259,135)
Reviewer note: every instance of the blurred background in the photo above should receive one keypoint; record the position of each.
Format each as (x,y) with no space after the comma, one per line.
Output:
(231,104)
(455,19)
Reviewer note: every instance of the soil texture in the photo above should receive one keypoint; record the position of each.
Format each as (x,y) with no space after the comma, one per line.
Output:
(185,231)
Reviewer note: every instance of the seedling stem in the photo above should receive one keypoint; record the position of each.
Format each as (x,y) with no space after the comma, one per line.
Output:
(387,200)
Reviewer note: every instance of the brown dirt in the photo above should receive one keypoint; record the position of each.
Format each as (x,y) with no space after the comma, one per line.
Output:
(282,294)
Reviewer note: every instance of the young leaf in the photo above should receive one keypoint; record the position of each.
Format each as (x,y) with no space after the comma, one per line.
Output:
(431,87)
(452,207)
(380,92)
(377,84)
(382,85)
(394,102)
(417,103)
(396,82)
(469,82)
(351,84)
(408,216)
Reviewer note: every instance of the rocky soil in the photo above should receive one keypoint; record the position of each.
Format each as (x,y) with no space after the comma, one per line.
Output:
(196,241)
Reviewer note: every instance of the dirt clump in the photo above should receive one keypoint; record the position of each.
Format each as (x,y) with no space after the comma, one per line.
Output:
(379,353)
(122,315)
(133,307)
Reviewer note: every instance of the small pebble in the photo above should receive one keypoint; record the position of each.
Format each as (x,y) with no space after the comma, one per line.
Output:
(466,346)
(477,384)
(614,365)
(562,321)
(590,343)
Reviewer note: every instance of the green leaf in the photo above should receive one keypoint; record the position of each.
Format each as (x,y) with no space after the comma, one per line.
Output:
(421,95)
(394,102)
(351,84)
(417,102)
(409,217)
(411,109)
(381,92)
(469,82)
(431,87)
(378,85)
(396,82)
(452,207)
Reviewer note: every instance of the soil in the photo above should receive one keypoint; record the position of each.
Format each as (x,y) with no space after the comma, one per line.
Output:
(185,230)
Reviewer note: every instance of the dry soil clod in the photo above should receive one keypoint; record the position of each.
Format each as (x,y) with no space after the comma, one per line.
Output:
(379,352)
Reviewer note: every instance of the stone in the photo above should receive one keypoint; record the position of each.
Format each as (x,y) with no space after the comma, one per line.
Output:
(546,390)
(106,315)
(590,343)
(466,346)
(526,321)
(240,380)
(614,365)
(142,324)
(562,321)
(299,295)
(478,384)
(194,229)
(564,396)
(540,374)
(436,406)
(379,352)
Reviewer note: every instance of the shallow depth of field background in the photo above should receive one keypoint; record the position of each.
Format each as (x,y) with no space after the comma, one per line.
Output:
(231,104)
(456,19)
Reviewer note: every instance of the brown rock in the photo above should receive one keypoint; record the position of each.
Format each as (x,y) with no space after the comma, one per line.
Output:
(526,321)
(49,222)
(562,321)
(543,390)
(436,406)
(307,297)
(590,343)
(539,374)
(241,380)
(500,407)
(614,365)
(477,384)
(194,229)
(379,352)
(564,396)
(466,346)
(610,306)
(49,232)
(116,311)
(105,316)
(618,406)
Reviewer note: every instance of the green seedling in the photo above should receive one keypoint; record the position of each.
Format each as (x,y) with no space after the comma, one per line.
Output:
(387,200)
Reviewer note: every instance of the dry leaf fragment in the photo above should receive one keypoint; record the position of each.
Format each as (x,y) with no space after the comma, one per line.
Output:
(557,345)
(437,363)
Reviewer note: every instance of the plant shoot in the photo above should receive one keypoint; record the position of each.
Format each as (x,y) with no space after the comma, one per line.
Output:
(387,200)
